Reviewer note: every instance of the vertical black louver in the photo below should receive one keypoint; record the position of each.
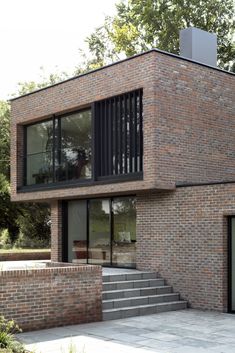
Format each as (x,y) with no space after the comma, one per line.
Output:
(118,135)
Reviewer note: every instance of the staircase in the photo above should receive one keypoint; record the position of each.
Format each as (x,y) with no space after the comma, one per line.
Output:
(137,293)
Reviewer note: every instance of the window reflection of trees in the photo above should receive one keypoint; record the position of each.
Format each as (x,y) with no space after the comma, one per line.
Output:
(59,149)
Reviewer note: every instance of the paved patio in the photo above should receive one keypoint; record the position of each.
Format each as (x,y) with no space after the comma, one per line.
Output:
(186,331)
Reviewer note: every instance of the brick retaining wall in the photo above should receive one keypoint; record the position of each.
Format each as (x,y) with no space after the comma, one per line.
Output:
(52,296)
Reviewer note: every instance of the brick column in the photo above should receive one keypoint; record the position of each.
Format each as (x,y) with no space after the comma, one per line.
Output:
(56,231)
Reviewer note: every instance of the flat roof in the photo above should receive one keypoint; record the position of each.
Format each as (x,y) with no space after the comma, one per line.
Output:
(123,60)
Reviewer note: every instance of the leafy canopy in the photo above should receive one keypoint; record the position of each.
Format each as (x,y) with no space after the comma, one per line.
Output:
(140,25)
(4,138)
(30,220)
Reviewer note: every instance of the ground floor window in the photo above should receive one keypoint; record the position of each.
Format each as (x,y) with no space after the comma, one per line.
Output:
(101,231)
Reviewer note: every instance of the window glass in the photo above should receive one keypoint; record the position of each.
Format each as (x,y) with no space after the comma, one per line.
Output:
(39,153)
(77,231)
(75,147)
(124,231)
(59,151)
(99,232)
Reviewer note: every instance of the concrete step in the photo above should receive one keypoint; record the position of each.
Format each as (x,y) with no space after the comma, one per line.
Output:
(121,313)
(136,292)
(143,300)
(128,284)
(138,275)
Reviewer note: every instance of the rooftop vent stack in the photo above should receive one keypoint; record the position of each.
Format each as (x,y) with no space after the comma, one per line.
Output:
(198,45)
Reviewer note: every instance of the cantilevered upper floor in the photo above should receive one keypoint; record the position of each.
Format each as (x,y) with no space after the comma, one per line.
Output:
(149,122)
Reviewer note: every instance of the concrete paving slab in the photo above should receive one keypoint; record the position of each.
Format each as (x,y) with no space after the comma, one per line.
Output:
(186,331)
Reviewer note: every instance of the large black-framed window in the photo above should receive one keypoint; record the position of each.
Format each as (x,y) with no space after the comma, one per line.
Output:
(119,136)
(97,144)
(59,149)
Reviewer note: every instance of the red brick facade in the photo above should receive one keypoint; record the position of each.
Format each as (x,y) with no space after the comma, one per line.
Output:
(53,296)
(188,122)
(183,235)
(189,134)
(56,231)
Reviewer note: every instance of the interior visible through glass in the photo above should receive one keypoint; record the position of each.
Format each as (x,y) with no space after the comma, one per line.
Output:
(99,232)
(107,227)
(124,232)
(77,231)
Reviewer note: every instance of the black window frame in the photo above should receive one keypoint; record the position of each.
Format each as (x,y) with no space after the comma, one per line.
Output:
(95,139)
(56,146)
(65,237)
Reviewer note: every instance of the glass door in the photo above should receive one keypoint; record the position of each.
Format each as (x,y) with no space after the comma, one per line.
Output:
(124,232)
(232,265)
(77,231)
(102,231)
(99,235)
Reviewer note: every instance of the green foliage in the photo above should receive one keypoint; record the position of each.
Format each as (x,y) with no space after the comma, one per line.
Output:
(30,221)
(8,210)
(45,80)
(34,231)
(141,25)
(4,138)
(7,340)
(5,242)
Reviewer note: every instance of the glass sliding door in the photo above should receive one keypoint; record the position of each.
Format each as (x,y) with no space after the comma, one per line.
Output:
(102,231)
(232,265)
(124,232)
(77,231)
(99,232)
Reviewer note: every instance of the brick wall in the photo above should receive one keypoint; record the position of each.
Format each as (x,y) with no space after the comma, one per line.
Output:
(189,137)
(183,236)
(50,297)
(188,122)
(195,122)
(80,93)
(56,231)
(20,256)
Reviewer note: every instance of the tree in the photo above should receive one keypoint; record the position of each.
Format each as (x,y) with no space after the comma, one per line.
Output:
(30,86)
(31,220)
(5,139)
(8,210)
(34,223)
(140,25)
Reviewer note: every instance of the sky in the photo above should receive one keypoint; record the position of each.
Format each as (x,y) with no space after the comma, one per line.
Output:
(44,33)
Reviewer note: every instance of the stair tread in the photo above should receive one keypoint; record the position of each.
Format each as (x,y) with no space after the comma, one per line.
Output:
(129,273)
(134,280)
(131,289)
(145,306)
(142,297)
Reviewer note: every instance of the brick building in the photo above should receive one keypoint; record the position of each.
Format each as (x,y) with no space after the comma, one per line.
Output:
(137,160)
